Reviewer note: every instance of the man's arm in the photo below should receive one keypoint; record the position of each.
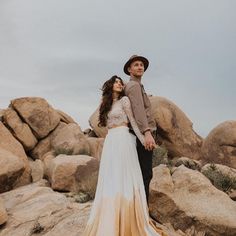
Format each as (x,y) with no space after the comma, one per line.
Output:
(134,93)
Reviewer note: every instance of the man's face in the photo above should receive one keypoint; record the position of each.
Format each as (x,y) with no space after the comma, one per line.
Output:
(136,69)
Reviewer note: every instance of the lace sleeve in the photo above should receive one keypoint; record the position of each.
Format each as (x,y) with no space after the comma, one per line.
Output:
(127,108)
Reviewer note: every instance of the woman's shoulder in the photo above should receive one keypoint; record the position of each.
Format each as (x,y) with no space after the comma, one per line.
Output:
(125,100)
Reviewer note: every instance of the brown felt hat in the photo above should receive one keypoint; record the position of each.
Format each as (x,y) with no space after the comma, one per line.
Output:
(136,58)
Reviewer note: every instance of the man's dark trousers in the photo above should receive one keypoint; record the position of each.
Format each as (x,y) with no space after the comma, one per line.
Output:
(145,161)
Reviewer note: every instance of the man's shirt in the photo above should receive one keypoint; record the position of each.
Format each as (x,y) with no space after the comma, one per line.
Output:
(140,104)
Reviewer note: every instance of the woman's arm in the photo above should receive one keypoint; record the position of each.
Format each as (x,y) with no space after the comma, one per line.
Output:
(128,111)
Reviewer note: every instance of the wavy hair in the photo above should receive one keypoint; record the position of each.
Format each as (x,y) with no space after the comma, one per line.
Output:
(107,100)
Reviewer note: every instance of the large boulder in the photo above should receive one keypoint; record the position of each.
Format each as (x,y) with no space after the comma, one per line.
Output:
(188,162)
(36,209)
(225,170)
(189,201)
(11,169)
(9,143)
(73,173)
(96,145)
(70,140)
(44,145)
(174,129)
(222,177)
(37,170)
(3,213)
(65,139)
(41,148)
(38,114)
(1,114)
(19,129)
(65,117)
(93,122)
(46,159)
(232,194)
(220,145)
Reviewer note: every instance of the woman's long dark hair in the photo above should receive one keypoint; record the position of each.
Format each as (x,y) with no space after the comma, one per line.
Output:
(106,104)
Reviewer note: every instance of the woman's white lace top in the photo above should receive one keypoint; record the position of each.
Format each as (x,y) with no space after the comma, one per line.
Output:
(120,113)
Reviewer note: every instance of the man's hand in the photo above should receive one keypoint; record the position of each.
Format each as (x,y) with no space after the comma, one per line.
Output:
(149,141)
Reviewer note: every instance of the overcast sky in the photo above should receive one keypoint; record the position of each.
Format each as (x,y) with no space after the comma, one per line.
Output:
(65,50)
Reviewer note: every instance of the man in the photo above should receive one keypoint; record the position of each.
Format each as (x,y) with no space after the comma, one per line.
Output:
(141,106)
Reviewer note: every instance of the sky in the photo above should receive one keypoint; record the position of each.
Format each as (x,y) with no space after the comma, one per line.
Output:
(64,51)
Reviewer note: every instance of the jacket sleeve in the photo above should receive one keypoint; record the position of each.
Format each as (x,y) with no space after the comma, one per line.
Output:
(128,111)
(134,93)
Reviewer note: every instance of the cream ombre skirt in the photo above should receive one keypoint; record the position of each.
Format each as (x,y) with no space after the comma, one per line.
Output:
(120,207)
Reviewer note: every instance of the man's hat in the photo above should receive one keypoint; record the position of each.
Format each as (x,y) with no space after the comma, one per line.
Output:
(136,58)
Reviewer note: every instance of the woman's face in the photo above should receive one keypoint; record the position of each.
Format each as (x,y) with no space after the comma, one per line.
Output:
(118,86)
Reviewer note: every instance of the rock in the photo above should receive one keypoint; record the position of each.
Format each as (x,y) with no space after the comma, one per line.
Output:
(222,177)
(3,213)
(188,162)
(232,194)
(41,148)
(65,117)
(96,145)
(168,229)
(47,158)
(65,139)
(19,129)
(73,173)
(175,130)
(160,156)
(89,133)
(1,114)
(44,145)
(38,114)
(9,143)
(11,169)
(37,170)
(231,172)
(220,145)
(101,132)
(70,140)
(189,201)
(37,210)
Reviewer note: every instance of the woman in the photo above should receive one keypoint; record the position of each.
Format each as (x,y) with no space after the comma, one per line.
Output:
(119,207)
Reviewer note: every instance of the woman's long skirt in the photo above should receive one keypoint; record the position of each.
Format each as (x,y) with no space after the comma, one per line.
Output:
(120,207)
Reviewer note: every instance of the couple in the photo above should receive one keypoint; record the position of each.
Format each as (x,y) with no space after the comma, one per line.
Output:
(120,207)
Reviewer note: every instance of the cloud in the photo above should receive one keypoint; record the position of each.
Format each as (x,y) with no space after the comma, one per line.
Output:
(64,51)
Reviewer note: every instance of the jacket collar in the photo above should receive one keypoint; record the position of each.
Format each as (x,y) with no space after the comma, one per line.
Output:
(135,79)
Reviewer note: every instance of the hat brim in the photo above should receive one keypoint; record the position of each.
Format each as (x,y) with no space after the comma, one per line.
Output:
(137,58)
